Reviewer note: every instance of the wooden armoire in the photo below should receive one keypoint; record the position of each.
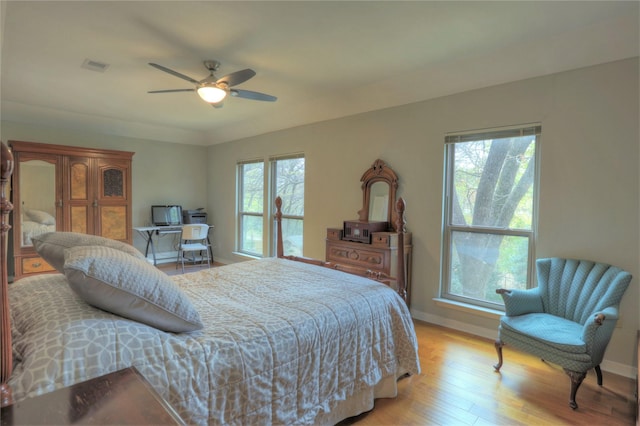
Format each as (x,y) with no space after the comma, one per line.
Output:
(67,188)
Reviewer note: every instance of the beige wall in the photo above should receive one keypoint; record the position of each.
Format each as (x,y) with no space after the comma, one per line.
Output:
(589,185)
(589,177)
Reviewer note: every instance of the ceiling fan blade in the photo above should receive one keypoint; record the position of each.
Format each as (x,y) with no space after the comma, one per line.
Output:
(237,77)
(171,90)
(256,96)
(172,72)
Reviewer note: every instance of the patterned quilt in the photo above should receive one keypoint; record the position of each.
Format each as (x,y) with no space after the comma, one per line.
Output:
(283,343)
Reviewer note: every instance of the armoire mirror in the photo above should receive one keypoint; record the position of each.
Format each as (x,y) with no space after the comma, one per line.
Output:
(37,180)
(379,185)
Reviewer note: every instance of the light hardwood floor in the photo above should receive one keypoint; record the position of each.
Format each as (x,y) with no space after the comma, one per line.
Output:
(170,268)
(458,386)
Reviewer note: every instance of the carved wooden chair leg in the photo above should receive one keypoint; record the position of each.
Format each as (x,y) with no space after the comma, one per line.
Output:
(599,374)
(576,381)
(499,346)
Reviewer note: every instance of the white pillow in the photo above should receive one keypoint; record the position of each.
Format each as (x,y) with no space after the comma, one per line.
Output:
(51,246)
(40,217)
(132,288)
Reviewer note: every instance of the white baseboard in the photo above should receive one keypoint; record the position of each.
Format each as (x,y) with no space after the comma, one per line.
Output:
(610,366)
(163,257)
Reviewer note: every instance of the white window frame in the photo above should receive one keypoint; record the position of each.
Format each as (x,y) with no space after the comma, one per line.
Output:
(449,228)
(241,214)
(273,193)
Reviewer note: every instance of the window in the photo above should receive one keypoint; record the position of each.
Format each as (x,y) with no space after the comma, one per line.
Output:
(256,236)
(490,214)
(251,208)
(288,182)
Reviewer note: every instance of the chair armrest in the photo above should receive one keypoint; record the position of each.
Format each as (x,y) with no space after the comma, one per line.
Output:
(520,302)
(596,320)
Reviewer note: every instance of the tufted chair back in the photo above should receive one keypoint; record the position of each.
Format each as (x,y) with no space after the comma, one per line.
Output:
(575,289)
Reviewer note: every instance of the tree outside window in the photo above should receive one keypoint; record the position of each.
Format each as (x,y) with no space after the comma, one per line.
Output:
(490,216)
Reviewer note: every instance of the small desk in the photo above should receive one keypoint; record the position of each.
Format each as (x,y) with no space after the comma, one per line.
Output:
(123,397)
(147,232)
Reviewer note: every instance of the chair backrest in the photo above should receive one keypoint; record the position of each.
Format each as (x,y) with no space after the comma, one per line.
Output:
(575,289)
(196,231)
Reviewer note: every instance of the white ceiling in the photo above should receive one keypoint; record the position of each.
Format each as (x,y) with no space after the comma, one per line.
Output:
(322,59)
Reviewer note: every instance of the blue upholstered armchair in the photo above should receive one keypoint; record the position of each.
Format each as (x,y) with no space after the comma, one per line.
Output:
(568,319)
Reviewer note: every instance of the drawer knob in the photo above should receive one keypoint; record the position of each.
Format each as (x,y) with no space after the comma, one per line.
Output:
(354,255)
(36,264)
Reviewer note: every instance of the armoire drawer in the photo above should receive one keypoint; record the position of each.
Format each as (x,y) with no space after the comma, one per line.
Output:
(35,265)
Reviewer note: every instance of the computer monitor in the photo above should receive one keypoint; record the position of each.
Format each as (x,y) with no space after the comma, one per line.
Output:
(166,215)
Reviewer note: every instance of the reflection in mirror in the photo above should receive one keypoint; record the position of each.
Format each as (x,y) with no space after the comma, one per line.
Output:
(379,202)
(38,197)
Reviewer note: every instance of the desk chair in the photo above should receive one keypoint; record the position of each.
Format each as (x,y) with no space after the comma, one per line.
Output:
(193,241)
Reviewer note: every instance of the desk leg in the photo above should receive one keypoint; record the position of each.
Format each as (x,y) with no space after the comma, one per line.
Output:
(146,250)
(210,249)
(153,249)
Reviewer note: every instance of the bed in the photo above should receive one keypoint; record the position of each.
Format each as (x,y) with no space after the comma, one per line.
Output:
(35,223)
(281,341)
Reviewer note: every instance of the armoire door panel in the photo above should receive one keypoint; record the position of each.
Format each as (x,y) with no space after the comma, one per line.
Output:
(112,183)
(79,219)
(113,180)
(113,222)
(79,181)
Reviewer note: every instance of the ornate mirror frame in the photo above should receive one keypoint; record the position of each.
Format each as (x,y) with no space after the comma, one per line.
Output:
(379,172)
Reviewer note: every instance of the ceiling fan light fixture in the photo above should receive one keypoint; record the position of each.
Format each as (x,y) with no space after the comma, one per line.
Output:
(212,94)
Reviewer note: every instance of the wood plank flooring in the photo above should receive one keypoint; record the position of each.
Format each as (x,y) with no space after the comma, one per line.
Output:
(170,268)
(458,386)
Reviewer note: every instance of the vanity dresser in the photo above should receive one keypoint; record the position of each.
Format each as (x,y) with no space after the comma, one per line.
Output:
(371,241)
(67,188)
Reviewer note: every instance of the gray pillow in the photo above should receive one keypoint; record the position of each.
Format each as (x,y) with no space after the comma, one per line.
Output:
(132,288)
(51,246)
(40,217)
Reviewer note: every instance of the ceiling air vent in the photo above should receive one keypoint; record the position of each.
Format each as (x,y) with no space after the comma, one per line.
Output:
(94,65)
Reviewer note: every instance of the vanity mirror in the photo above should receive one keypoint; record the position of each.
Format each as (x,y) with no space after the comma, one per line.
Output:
(379,185)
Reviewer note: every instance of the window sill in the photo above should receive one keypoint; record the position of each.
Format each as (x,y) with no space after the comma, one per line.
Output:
(467,308)
(245,256)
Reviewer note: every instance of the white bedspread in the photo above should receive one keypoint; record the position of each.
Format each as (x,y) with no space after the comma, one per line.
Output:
(283,343)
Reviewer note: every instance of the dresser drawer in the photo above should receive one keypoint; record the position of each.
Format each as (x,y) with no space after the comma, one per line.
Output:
(363,257)
(334,234)
(35,265)
(384,239)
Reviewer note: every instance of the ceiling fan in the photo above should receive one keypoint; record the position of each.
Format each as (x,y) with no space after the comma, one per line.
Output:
(213,89)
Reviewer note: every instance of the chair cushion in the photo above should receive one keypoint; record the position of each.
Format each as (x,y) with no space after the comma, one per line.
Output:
(557,332)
